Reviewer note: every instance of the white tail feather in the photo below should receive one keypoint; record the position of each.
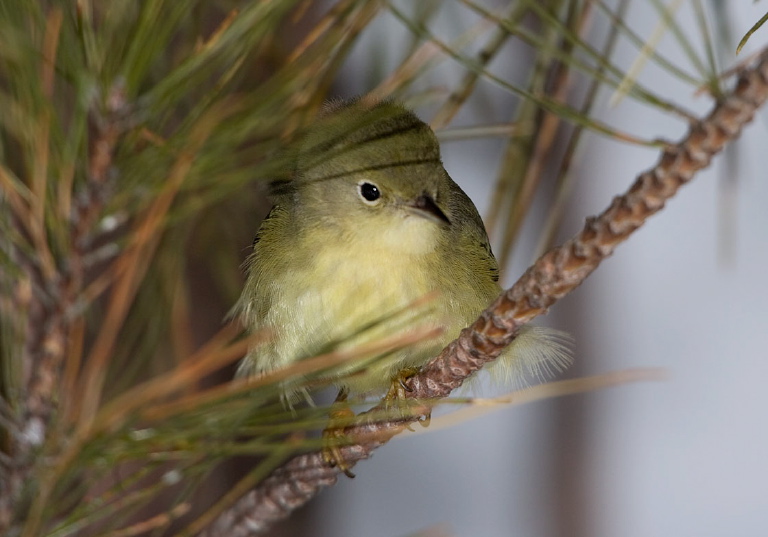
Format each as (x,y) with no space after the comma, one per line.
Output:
(537,353)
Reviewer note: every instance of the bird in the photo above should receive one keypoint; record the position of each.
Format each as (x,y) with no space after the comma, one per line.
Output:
(367,224)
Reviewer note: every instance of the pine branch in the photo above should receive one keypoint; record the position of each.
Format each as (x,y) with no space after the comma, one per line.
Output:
(555,274)
(55,294)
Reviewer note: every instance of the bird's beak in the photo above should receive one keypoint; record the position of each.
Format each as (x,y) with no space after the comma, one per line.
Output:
(426,207)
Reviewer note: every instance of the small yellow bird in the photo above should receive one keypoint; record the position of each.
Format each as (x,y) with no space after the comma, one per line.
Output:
(369,223)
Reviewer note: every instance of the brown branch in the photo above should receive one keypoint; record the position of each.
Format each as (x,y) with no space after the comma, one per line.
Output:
(46,354)
(554,275)
(49,325)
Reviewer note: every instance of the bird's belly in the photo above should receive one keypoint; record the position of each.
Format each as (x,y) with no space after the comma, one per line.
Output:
(362,300)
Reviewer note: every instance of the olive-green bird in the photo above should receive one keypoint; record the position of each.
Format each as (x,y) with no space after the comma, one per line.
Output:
(369,223)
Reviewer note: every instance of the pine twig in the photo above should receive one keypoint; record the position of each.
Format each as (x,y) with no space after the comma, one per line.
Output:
(50,320)
(554,275)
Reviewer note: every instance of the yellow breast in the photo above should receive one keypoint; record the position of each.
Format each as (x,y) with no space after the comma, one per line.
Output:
(354,291)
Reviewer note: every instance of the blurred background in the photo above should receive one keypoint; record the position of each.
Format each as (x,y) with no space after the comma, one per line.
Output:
(229,85)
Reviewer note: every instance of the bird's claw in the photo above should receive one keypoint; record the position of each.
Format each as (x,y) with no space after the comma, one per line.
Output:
(396,398)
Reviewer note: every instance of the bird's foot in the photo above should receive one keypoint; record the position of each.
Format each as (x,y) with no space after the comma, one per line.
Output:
(396,398)
(333,435)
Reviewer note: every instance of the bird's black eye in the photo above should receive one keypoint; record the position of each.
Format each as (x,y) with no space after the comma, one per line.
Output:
(369,192)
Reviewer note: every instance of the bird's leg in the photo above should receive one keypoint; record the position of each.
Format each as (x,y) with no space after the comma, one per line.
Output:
(396,395)
(333,435)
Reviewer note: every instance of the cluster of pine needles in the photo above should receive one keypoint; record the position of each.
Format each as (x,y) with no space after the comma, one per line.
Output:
(136,140)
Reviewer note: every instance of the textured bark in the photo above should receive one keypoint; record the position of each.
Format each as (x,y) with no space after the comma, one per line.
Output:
(48,291)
